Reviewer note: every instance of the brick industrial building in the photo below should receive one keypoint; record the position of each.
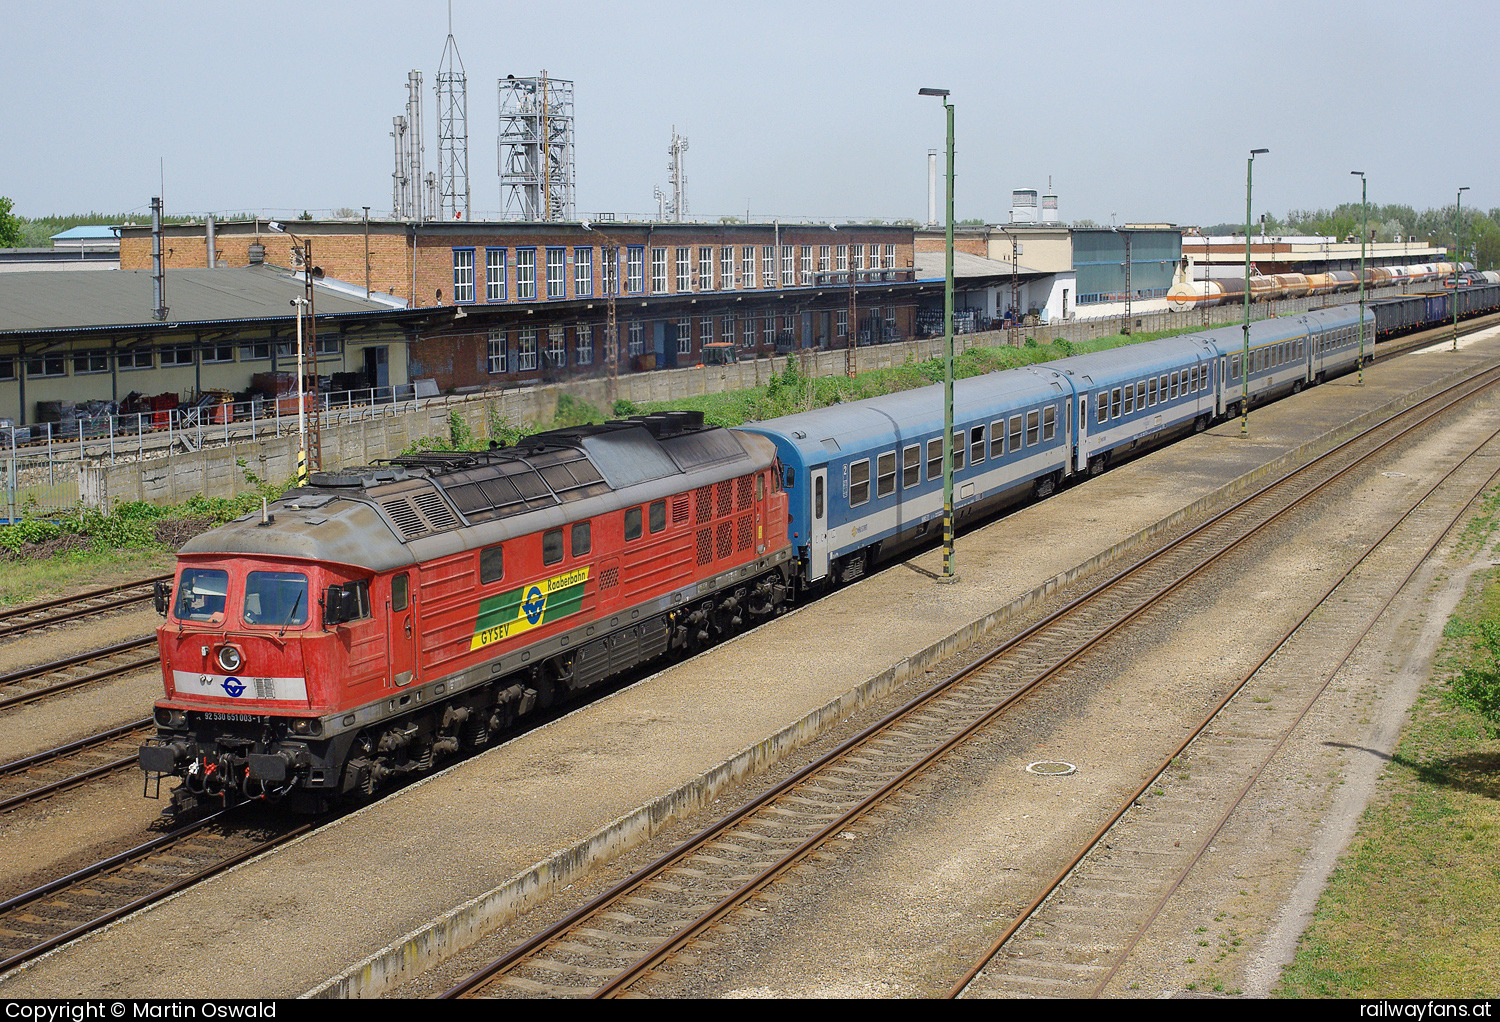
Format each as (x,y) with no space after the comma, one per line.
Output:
(531,301)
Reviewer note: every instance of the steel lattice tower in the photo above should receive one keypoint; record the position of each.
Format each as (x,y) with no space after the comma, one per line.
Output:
(536,148)
(453,133)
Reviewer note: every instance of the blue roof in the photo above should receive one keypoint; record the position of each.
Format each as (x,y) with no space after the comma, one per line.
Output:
(101,231)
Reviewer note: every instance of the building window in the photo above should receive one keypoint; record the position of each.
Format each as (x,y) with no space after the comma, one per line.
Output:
(684,336)
(728,335)
(747,266)
(635,269)
(767,266)
(526,350)
(841,254)
(842,329)
(890,257)
(770,331)
(212,353)
(85,362)
(856,257)
(7,368)
(684,269)
(637,338)
(825,253)
(609,267)
(557,347)
(726,267)
(584,342)
(705,329)
(525,273)
(144,358)
(497,351)
(583,273)
(788,268)
(807,264)
(705,268)
(171,355)
(748,340)
(463,274)
(56,365)
(658,271)
(329,347)
(494,275)
(557,273)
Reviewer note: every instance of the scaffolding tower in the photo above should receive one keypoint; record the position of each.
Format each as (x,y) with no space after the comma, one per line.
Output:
(453,133)
(536,148)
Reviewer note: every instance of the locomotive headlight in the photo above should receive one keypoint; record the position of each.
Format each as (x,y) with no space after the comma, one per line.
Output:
(230,659)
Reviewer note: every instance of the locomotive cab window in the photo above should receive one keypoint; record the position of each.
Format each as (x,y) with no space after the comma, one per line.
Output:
(400,591)
(491,564)
(658,515)
(275,598)
(201,594)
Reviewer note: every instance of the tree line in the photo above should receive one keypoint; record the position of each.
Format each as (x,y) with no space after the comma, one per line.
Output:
(1478,231)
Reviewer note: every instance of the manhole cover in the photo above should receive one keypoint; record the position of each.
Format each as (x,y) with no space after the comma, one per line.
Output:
(1053,768)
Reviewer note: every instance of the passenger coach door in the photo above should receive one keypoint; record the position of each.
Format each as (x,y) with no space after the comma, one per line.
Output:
(818,530)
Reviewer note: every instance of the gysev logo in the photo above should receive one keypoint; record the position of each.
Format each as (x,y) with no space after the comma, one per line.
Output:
(518,610)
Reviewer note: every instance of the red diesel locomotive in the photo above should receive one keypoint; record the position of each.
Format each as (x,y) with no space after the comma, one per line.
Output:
(364,626)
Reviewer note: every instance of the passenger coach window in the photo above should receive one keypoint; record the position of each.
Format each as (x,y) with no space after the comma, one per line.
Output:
(583,538)
(934,459)
(859,486)
(658,515)
(1032,419)
(200,594)
(1015,433)
(552,546)
(885,480)
(976,445)
(1049,422)
(1101,408)
(997,438)
(633,523)
(911,465)
(491,564)
(275,598)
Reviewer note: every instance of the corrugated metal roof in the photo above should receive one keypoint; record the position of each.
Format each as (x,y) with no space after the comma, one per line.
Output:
(101,231)
(42,300)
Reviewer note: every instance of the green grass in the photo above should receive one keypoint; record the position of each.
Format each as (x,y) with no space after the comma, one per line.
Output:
(1409,911)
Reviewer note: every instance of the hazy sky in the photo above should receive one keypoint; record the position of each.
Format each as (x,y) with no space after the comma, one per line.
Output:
(1141,111)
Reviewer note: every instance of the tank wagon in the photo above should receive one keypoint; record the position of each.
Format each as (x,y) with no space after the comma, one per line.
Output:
(364,626)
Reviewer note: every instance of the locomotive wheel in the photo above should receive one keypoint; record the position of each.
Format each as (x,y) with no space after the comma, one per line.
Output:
(546,690)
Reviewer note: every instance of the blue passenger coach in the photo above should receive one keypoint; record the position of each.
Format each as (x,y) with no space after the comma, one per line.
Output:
(865,479)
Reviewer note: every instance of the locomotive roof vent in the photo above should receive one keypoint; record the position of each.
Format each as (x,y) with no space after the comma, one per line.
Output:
(363,478)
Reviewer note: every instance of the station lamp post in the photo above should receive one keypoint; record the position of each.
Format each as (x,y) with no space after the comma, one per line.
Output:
(301,303)
(1457,224)
(1364,230)
(949,574)
(1245,356)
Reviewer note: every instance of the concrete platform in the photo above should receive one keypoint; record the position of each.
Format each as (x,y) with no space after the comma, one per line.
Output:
(365,903)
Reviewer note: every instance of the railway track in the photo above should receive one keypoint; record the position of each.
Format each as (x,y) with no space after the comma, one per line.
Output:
(614,944)
(42,774)
(1106,899)
(64,909)
(55,676)
(46,613)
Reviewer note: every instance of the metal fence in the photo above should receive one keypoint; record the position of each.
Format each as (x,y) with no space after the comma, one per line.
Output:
(39,464)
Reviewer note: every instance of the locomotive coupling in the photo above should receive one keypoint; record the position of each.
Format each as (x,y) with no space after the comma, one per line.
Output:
(163,759)
(275,767)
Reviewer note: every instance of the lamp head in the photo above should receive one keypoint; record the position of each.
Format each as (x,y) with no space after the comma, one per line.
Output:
(932,92)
